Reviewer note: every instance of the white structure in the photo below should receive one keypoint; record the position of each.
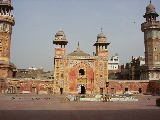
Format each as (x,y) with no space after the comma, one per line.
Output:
(32,68)
(113,62)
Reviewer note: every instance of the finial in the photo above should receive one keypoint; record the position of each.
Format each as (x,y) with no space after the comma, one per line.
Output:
(78,49)
(60,29)
(101,29)
(78,44)
(150,1)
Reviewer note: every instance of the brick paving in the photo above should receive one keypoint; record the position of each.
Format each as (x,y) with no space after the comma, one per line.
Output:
(39,107)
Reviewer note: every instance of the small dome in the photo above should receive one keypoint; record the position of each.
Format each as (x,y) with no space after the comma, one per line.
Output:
(101,35)
(78,52)
(116,54)
(150,9)
(101,38)
(60,35)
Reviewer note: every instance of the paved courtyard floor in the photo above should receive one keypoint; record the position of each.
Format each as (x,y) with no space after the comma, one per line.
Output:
(49,107)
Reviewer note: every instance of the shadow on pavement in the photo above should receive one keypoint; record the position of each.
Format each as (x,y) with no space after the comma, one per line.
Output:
(152,114)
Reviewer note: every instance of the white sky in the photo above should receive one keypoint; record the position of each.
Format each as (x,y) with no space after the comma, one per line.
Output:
(37,22)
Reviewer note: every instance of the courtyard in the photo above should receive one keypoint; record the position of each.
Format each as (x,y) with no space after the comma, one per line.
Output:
(39,107)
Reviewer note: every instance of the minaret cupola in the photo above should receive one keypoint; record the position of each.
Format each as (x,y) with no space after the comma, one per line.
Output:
(60,38)
(101,37)
(60,42)
(101,44)
(151,13)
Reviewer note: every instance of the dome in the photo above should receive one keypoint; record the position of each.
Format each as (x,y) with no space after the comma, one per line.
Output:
(101,38)
(150,8)
(101,35)
(60,33)
(78,52)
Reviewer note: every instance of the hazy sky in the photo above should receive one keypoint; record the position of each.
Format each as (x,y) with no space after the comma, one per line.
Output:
(37,22)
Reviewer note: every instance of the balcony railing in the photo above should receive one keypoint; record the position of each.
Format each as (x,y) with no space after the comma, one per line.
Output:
(7,17)
(152,24)
(7,14)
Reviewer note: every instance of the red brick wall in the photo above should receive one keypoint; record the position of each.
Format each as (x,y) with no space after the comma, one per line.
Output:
(119,87)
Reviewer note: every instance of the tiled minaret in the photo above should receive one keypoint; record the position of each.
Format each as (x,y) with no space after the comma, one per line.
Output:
(7,20)
(151,29)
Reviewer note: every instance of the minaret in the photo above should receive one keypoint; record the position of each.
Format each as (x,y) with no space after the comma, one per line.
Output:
(7,20)
(151,29)
(59,64)
(101,64)
(60,42)
(101,45)
(6,23)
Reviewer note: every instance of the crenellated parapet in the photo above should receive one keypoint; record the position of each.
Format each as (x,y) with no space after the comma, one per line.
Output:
(6,17)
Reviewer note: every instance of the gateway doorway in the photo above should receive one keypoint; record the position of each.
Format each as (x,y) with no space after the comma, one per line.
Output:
(101,91)
(33,90)
(140,90)
(61,90)
(83,90)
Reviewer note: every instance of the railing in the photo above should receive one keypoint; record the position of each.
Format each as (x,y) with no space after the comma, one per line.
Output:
(153,24)
(7,17)
(7,14)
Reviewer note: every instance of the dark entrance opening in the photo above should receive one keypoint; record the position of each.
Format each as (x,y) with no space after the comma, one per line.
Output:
(81,72)
(101,91)
(33,90)
(158,90)
(61,90)
(11,89)
(112,90)
(126,89)
(83,90)
(140,90)
(18,90)
(49,90)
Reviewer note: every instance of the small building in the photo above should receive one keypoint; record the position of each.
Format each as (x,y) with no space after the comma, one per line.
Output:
(34,73)
(132,70)
(113,62)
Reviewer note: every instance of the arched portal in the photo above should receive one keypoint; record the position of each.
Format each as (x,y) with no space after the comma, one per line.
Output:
(80,76)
